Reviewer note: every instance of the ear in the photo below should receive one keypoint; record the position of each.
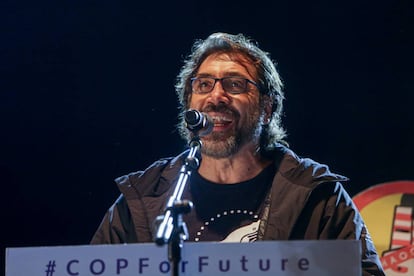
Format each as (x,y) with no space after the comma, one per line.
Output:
(267,109)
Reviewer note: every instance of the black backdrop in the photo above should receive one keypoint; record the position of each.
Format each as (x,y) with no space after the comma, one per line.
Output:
(86,95)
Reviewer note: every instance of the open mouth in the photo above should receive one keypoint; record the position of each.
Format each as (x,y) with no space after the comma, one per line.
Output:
(221,122)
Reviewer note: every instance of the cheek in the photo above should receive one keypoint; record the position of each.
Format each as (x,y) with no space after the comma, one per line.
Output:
(195,102)
(252,109)
(251,102)
(189,97)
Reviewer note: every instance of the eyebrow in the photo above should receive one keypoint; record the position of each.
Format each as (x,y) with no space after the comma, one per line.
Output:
(227,74)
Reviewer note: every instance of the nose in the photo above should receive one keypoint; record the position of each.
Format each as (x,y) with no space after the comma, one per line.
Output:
(218,95)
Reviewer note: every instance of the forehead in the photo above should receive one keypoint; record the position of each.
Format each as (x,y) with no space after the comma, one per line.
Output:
(222,63)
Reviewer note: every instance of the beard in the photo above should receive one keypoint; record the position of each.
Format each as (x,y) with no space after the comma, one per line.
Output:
(224,144)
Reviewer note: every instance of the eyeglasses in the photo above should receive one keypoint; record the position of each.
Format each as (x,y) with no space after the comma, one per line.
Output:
(232,85)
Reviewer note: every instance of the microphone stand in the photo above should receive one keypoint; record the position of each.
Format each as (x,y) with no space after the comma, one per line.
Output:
(170,227)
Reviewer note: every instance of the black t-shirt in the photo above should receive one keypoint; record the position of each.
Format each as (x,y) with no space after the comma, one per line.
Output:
(227,212)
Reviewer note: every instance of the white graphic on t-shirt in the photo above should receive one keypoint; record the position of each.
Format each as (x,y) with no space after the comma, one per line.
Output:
(246,233)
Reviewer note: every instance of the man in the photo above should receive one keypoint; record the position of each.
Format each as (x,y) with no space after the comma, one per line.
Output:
(249,185)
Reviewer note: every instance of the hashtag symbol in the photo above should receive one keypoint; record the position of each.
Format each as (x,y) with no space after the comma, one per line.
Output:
(50,268)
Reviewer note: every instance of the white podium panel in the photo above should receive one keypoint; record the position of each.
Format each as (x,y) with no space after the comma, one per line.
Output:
(259,258)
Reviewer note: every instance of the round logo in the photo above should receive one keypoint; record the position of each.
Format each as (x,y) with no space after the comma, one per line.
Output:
(388,212)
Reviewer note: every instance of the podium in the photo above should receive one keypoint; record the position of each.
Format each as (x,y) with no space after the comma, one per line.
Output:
(329,257)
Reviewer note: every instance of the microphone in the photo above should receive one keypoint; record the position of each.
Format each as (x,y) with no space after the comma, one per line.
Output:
(197,122)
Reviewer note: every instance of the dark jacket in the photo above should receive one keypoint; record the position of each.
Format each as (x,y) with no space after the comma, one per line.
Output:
(306,202)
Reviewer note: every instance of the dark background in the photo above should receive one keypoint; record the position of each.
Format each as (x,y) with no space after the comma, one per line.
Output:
(86,95)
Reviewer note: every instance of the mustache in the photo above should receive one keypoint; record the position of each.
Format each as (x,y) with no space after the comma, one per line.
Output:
(221,108)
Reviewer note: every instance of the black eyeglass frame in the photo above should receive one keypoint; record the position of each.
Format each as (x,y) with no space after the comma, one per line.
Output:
(224,86)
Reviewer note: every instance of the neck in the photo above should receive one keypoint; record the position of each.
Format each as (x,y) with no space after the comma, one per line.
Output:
(242,166)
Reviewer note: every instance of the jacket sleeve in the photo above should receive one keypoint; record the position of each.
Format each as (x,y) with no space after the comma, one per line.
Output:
(116,226)
(331,214)
(342,220)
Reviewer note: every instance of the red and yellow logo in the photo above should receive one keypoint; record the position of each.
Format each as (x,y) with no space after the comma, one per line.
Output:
(388,211)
